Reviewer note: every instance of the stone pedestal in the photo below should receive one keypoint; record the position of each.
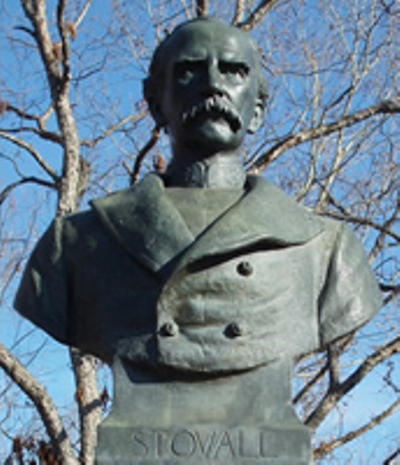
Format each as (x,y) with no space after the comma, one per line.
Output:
(228,420)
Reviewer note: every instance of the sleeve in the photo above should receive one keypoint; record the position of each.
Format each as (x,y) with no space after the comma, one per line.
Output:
(42,296)
(350,297)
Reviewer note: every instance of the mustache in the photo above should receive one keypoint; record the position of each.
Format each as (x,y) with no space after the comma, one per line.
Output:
(215,106)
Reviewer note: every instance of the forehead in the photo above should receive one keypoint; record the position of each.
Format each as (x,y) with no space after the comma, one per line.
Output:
(200,40)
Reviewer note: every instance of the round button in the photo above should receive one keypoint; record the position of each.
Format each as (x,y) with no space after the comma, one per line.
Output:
(233,330)
(169,330)
(244,268)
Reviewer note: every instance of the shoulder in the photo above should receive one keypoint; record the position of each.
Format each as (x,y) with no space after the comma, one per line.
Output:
(87,222)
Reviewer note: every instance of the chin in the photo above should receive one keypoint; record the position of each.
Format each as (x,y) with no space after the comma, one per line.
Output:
(214,138)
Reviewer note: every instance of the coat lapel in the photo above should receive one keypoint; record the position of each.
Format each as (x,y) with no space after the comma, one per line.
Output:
(145,222)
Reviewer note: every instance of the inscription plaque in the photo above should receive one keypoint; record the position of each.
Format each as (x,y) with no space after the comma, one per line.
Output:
(203,445)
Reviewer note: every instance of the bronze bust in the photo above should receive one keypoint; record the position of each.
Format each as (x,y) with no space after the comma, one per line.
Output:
(201,286)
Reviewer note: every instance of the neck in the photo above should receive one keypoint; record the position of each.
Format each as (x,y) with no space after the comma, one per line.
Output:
(218,172)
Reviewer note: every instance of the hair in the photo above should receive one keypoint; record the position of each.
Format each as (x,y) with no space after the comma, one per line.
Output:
(154,82)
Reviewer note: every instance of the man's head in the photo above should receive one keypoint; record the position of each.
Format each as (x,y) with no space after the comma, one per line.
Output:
(206,87)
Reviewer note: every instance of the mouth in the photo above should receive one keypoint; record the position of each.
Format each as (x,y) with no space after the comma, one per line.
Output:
(215,109)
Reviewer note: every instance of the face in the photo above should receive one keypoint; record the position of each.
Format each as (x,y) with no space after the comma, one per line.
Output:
(210,94)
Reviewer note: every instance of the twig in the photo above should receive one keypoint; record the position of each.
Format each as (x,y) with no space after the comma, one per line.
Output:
(82,14)
(134,174)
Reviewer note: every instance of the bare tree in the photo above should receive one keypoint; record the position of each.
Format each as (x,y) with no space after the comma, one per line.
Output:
(73,125)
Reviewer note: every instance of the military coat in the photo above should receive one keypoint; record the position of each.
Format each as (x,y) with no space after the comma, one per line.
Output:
(267,280)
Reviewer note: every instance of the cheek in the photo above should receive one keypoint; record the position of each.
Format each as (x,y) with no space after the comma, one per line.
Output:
(247,102)
(178,99)
(247,107)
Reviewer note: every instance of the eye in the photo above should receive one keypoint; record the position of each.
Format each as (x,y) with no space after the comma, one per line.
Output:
(235,70)
(185,70)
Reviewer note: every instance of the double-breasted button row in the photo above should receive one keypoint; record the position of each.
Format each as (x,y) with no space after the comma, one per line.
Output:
(171,329)
(244,268)
(233,330)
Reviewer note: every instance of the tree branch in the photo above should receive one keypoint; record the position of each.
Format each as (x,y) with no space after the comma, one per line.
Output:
(45,135)
(309,385)
(47,410)
(333,357)
(390,288)
(39,120)
(65,57)
(89,403)
(363,221)
(30,179)
(58,81)
(389,460)
(341,345)
(257,15)
(326,447)
(306,135)
(142,153)
(201,8)
(37,157)
(82,14)
(21,113)
(333,396)
(240,7)
(389,223)
(36,13)
(114,127)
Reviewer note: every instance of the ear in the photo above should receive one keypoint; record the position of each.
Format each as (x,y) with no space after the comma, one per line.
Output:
(258,116)
(151,97)
(156,113)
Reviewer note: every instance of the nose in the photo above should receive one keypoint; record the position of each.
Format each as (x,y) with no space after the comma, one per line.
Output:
(213,80)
